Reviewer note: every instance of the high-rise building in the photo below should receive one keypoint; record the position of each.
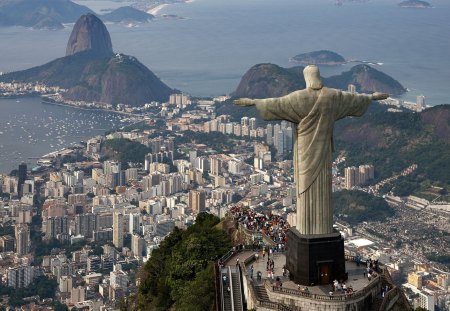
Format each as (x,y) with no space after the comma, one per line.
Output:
(65,284)
(351,88)
(288,139)
(110,167)
(237,130)
(118,278)
(118,230)
(215,166)
(235,167)
(56,227)
(269,134)
(420,101)
(192,157)
(244,121)
(20,277)
(22,176)
(134,223)
(78,294)
(131,174)
(94,264)
(85,225)
(197,201)
(278,141)
(137,244)
(351,177)
(7,243)
(252,123)
(22,233)
(356,176)
(179,100)
(415,279)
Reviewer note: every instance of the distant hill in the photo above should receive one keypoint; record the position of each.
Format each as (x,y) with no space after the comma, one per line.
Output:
(414,4)
(92,72)
(269,80)
(393,141)
(367,80)
(40,13)
(357,206)
(127,14)
(322,57)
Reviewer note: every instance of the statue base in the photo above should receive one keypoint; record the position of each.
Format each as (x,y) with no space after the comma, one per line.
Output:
(315,259)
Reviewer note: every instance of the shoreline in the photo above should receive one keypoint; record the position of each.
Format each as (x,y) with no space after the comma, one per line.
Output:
(156,9)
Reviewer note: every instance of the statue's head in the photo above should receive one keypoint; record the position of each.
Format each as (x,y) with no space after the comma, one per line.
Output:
(312,77)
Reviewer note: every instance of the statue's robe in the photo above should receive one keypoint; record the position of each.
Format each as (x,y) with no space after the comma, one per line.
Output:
(314,113)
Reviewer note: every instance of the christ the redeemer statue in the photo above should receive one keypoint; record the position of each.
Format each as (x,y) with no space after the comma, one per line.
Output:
(314,110)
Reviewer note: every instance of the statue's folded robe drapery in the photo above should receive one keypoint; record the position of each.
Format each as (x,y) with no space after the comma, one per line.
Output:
(314,113)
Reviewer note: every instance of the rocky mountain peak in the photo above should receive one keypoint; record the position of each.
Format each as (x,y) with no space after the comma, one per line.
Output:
(89,33)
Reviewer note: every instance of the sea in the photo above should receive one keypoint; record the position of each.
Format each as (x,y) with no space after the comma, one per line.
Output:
(203,47)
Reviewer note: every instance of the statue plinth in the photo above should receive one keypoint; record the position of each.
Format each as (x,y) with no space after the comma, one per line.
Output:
(315,259)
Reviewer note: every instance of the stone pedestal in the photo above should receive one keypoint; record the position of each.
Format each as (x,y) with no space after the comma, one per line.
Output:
(315,259)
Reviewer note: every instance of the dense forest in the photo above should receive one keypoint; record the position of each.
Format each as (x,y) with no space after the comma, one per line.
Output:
(180,273)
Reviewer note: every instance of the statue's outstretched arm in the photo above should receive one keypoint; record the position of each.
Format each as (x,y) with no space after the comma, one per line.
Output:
(278,108)
(379,96)
(244,102)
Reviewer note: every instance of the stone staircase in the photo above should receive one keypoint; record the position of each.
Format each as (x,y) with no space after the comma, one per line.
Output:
(261,293)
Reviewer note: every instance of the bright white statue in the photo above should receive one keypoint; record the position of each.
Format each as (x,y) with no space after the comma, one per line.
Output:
(314,111)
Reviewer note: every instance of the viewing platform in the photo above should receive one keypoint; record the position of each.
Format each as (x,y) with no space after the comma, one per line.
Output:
(280,293)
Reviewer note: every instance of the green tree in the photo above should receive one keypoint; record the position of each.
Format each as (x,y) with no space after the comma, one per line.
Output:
(183,266)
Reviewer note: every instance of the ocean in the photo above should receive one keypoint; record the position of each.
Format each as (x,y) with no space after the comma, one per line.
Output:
(204,47)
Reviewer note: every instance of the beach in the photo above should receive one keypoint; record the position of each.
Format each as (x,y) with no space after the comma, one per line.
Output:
(156,9)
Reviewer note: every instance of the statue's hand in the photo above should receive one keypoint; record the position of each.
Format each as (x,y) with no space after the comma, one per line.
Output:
(379,96)
(244,102)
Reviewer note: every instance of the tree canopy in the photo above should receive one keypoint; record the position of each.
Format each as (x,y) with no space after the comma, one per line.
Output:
(180,273)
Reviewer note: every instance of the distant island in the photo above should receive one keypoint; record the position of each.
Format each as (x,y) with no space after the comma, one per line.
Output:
(414,4)
(51,15)
(127,14)
(322,57)
(40,14)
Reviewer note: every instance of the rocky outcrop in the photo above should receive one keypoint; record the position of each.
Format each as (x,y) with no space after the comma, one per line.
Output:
(91,72)
(89,33)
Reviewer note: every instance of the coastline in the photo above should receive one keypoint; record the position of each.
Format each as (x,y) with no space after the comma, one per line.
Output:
(156,9)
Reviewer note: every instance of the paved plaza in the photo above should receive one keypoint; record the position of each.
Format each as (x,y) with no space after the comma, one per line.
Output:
(356,276)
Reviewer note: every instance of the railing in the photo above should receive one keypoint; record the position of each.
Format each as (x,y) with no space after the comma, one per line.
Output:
(388,297)
(392,293)
(230,280)
(250,232)
(275,305)
(343,297)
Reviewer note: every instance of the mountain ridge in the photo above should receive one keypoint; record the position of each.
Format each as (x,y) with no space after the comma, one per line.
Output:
(269,80)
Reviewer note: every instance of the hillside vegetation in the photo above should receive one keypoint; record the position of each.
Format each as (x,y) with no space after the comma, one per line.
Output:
(394,141)
(180,273)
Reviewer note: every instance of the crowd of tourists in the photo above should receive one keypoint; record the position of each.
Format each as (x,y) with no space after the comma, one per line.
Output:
(273,226)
